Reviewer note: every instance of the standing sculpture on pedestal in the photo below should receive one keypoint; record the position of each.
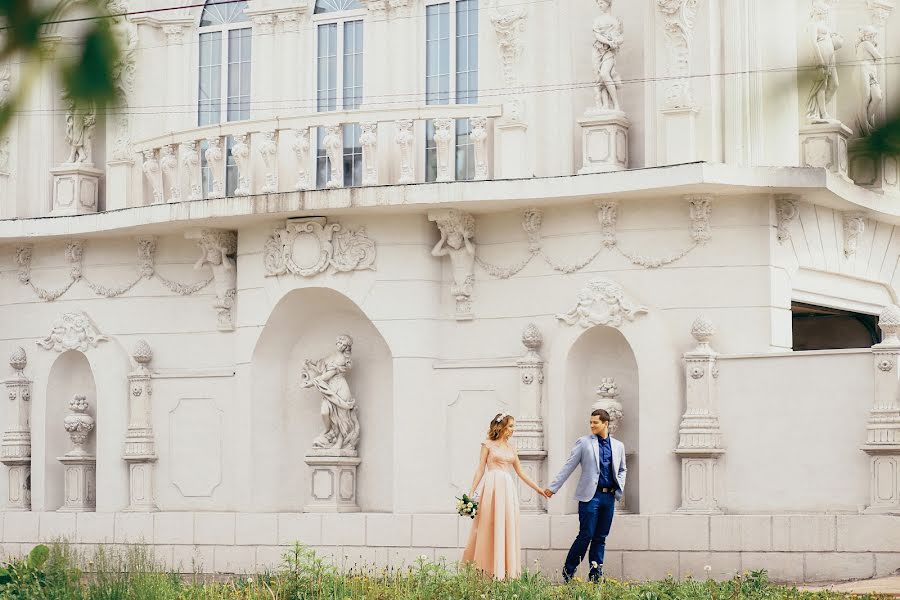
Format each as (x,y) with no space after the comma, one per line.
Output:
(76,182)
(80,125)
(826,43)
(338,405)
(333,457)
(870,93)
(609,35)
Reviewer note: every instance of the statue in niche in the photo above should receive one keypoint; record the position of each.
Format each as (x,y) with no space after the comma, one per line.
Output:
(329,376)
(457,230)
(80,123)
(870,93)
(826,43)
(609,35)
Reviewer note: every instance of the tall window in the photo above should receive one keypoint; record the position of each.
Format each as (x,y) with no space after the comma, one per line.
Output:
(451,47)
(224,75)
(339,80)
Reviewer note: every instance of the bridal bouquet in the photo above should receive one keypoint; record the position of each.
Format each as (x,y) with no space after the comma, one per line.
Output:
(467,507)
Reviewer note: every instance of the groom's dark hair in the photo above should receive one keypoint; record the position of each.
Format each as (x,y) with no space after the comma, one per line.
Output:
(604,416)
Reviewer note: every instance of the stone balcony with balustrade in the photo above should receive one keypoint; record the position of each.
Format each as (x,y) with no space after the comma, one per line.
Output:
(280,154)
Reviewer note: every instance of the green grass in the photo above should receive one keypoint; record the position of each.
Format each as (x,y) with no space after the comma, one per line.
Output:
(60,573)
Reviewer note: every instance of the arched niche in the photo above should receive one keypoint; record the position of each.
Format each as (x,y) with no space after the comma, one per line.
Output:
(70,375)
(285,418)
(597,353)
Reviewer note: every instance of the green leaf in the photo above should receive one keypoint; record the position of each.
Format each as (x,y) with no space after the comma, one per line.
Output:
(38,556)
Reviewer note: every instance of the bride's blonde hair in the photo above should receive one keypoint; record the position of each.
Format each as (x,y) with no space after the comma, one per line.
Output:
(498,424)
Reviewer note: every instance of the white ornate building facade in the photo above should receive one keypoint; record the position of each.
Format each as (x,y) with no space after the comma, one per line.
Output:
(529,206)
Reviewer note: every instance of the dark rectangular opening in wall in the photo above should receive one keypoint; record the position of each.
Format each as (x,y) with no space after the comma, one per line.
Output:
(823,328)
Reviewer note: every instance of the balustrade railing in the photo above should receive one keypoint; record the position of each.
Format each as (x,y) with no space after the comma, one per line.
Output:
(321,150)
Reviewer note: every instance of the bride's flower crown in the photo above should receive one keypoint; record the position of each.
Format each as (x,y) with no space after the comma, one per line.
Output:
(500,417)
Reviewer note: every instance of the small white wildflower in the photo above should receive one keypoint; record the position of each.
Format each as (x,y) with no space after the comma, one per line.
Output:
(707,568)
(594,564)
(423,557)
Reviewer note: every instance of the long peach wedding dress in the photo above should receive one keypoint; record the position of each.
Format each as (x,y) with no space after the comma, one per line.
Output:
(494,538)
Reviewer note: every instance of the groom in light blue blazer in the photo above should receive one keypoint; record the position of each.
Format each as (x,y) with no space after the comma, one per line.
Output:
(602,481)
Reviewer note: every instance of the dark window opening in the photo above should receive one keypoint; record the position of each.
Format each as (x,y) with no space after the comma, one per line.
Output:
(822,328)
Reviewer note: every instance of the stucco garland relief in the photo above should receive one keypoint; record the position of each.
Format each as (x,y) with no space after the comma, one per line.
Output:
(146,269)
(72,331)
(616,307)
(309,246)
(700,208)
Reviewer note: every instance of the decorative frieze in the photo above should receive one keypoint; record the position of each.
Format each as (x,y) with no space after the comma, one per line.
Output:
(457,231)
(15,446)
(217,249)
(529,436)
(883,428)
(309,246)
(602,302)
(140,447)
(699,434)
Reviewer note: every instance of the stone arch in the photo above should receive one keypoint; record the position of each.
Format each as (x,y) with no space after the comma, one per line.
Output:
(106,364)
(659,382)
(285,418)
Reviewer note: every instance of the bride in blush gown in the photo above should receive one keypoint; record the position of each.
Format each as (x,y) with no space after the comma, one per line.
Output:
(494,542)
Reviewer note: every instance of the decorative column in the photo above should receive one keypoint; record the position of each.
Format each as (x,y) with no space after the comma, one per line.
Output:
(153,173)
(241,154)
(80,479)
(368,140)
(268,151)
(608,399)
(301,147)
(679,115)
(604,126)
(457,232)
(883,429)
(169,165)
(15,449)
(120,165)
(479,137)
(140,448)
(443,142)
(529,436)
(190,160)
(333,142)
(405,140)
(699,435)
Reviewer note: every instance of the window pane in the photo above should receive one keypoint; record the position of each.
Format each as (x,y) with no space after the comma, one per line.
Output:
(465,151)
(323,165)
(353,61)
(466,51)
(239,61)
(437,54)
(430,152)
(326,68)
(352,156)
(217,12)
(210,79)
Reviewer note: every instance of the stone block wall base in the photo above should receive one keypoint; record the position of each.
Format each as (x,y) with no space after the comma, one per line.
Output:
(332,484)
(76,190)
(604,142)
(824,146)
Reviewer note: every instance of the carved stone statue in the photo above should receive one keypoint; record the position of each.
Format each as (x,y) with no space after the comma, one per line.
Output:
(457,230)
(608,38)
(80,123)
(215,248)
(328,376)
(870,93)
(826,43)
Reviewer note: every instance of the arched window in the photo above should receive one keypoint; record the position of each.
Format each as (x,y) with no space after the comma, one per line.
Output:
(224,76)
(339,79)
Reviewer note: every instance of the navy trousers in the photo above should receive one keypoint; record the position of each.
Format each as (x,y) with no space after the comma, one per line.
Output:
(594,520)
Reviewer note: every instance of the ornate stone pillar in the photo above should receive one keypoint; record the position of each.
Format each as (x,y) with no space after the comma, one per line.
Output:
(529,436)
(679,113)
(80,478)
(699,435)
(368,141)
(333,142)
(140,448)
(268,151)
(457,232)
(301,148)
(608,400)
(16,441)
(241,154)
(883,429)
(153,173)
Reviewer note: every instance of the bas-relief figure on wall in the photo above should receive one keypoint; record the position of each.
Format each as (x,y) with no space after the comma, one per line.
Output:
(870,93)
(609,35)
(328,376)
(457,230)
(825,42)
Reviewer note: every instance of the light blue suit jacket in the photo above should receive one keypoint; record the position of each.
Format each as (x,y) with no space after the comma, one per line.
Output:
(587,454)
